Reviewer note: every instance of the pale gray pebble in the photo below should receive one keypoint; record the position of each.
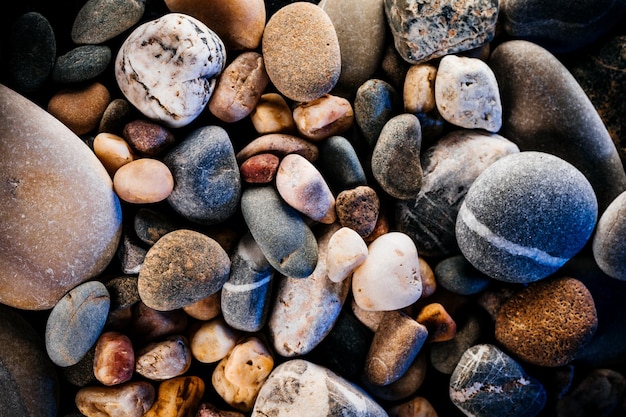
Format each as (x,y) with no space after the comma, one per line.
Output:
(609,241)
(101,20)
(340,164)
(245,297)
(458,276)
(75,323)
(375,103)
(299,387)
(81,64)
(280,231)
(207,184)
(396,157)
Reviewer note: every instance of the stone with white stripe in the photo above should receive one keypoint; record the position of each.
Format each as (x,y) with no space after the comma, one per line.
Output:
(245,296)
(301,388)
(488,382)
(525,216)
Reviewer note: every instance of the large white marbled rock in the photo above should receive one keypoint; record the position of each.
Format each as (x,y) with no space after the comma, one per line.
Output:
(168,68)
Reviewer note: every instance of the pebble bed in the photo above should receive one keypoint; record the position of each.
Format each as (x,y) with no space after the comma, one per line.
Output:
(259,208)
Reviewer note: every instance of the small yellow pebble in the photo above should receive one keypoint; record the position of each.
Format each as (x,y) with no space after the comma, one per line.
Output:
(113,151)
(143,181)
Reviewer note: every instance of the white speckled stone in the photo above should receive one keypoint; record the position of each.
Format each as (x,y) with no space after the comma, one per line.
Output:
(389,279)
(346,251)
(168,68)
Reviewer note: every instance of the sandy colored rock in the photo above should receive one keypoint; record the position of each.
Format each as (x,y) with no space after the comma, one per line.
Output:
(272,115)
(113,151)
(143,181)
(80,109)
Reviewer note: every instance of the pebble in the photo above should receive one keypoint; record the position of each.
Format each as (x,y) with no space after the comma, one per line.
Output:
(403,387)
(457,275)
(376,102)
(143,181)
(179,46)
(560,27)
(148,138)
(415,407)
(305,310)
(340,165)
(323,117)
(346,251)
(397,341)
(112,151)
(80,108)
(131,252)
(300,387)
(205,309)
(419,88)
(239,23)
(361,28)
(440,325)
(209,410)
(31,383)
(246,296)
(182,267)
(467,95)
(180,396)
(488,382)
(548,322)
(535,85)
(148,325)
(429,284)
(81,64)
(452,27)
(358,208)
(301,51)
(150,225)
(280,231)
(76,322)
(370,319)
(599,393)
(31,52)
(212,340)
(389,278)
(101,20)
(115,116)
(239,87)
(396,157)
(122,292)
(114,358)
(131,399)
(259,169)
(279,144)
(450,166)
(163,360)
(609,239)
(207,182)
(302,186)
(525,216)
(272,115)
(241,374)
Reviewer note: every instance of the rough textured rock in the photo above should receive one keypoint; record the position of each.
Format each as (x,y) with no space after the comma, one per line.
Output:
(375,103)
(358,209)
(81,64)
(45,252)
(609,241)
(101,20)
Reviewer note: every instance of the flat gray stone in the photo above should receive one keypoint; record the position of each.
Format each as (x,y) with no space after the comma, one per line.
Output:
(609,241)
(81,64)
(101,20)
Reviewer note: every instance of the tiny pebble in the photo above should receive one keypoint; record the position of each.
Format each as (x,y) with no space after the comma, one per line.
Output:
(147,137)
(323,117)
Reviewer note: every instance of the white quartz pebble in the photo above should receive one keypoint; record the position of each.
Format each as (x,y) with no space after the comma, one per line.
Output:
(213,340)
(389,279)
(346,251)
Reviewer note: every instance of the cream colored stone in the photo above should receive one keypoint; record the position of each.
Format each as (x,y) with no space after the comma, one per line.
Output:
(371,319)
(323,117)
(206,309)
(132,399)
(346,251)
(272,115)
(419,88)
(143,181)
(113,151)
(164,360)
(213,340)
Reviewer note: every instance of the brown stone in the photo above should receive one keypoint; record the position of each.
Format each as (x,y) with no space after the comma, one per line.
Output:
(405,386)
(131,399)
(324,117)
(272,115)
(279,144)
(358,209)
(180,397)
(415,407)
(548,322)
(259,169)
(440,325)
(205,309)
(80,109)
(147,137)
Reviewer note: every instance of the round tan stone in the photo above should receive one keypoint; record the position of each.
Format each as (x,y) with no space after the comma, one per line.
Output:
(143,181)
(80,109)
(61,220)
(113,151)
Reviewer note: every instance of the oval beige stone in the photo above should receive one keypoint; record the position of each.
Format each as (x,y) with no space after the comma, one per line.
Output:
(61,220)
(143,181)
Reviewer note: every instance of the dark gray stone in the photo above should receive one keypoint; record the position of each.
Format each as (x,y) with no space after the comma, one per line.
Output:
(280,231)
(525,216)
(545,109)
(81,374)
(375,103)
(560,26)
(340,164)
(458,276)
(101,20)
(81,64)
(123,292)
(150,225)
(115,117)
(206,176)
(131,252)
(599,394)
(609,241)
(396,157)
(75,323)
(450,167)
(488,382)
(31,53)
(245,297)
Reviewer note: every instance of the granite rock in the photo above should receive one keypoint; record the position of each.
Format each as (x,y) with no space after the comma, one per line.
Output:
(101,20)
(81,64)
(375,103)
(609,239)
(358,209)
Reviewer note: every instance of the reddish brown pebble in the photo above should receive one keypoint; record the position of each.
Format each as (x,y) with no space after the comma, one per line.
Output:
(148,138)
(80,109)
(279,144)
(548,322)
(415,407)
(114,359)
(149,324)
(358,209)
(381,228)
(440,325)
(180,397)
(323,117)
(259,169)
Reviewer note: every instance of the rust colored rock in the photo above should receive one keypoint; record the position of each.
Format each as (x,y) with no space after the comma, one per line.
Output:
(440,325)
(358,209)
(80,109)
(114,359)
(147,137)
(259,169)
(180,397)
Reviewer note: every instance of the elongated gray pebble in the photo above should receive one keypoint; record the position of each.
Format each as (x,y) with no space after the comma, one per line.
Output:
(101,20)
(340,164)
(81,64)
(609,241)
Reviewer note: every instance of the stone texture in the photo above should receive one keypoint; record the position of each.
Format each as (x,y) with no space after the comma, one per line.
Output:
(440,325)
(143,181)
(101,20)
(207,186)
(545,109)
(488,382)
(358,209)
(326,116)
(599,393)
(340,165)
(346,251)
(180,396)
(375,103)
(212,340)
(114,358)
(549,322)
(115,116)
(301,51)
(609,240)
(306,389)
(132,399)
(259,169)
(150,225)
(452,26)
(272,114)
(113,151)
(181,268)
(81,64)
(405,386)
(148,325)
(56,252)
(450,166)
(525,216)
(180,46)
(148,138)
(80,108)
(279,144)
(457,275)
(165,359)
